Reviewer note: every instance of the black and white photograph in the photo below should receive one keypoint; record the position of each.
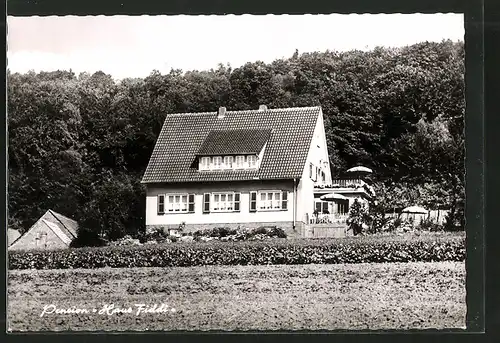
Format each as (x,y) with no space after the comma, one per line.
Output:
(236,172)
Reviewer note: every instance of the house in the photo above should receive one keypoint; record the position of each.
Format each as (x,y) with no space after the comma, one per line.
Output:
(51,231)
(12,236)
(239,169)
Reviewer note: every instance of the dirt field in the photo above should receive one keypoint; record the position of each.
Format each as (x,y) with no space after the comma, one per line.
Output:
(277,297)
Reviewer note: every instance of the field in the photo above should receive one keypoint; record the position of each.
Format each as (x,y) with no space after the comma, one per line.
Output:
(432,247)
(413,295)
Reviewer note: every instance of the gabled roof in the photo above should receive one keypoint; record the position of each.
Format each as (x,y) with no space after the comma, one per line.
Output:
(234,142)
(67,225)
(174,158)
(64,228)
(12,236)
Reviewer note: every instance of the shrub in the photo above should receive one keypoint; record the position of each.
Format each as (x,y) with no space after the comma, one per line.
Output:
(88,238)
(358,217)
(216,232)
(270,251)
(269,231)
(429,225)
(126,240)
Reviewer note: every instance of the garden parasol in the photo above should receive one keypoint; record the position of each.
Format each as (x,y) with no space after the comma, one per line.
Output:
(332,197)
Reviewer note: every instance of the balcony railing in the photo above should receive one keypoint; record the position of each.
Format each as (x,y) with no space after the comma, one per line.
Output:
(342,183)
(328,218)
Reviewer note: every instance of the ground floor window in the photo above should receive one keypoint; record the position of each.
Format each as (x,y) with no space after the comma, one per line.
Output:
(222,202)
(337,207)
(175,203)
(269,201)
(321,207)
(343,206)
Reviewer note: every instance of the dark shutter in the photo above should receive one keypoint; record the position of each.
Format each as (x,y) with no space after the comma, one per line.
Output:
(318,206)
(325,207)
(284,200)
(161,204)
(206,203)
(237,202)
(191,203)
(253,201)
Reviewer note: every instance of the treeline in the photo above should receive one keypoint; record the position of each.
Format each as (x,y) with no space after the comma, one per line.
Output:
(79,144)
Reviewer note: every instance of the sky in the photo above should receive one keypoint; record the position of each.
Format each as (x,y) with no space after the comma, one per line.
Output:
(134,46)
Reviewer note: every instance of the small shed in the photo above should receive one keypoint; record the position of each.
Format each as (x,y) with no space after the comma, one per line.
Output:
(51,231)
(12,236)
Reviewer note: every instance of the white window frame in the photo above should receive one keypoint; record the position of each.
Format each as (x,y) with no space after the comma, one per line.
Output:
(238,166)
(271,203)
(180,207)
(323,203)
(254,159)
(216,166)
(228,162)
(205,166)
(217,205)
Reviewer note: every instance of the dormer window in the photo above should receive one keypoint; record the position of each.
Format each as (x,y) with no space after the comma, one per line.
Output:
(228,162)
(217,162)
(252,161)
(233,149)
(205,163)
(240,162)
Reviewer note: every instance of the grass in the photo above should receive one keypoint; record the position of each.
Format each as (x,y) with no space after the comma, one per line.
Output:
(275,297)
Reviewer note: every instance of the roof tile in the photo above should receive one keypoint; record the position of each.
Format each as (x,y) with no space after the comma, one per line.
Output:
(233,142)
(183,135)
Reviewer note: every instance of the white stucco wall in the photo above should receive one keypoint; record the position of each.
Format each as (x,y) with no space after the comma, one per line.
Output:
(198,217)
(318,151)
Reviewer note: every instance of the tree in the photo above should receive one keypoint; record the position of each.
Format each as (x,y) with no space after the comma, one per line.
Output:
(80,144)
(358,217)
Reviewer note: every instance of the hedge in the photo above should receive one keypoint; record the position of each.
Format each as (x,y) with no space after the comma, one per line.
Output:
(272,251)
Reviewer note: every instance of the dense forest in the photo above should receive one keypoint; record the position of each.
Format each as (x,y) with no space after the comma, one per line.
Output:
(79,144)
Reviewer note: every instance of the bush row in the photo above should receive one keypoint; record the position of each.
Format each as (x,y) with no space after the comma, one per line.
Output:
(272,251)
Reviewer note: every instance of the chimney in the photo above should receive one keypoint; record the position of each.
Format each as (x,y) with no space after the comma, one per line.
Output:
(262,107)
(222,113)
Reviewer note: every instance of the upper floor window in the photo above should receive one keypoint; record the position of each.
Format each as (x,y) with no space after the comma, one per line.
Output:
(205,163)
(228,162)
(252,161)
(217,162)
(240,161)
